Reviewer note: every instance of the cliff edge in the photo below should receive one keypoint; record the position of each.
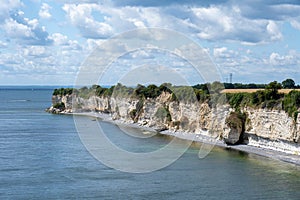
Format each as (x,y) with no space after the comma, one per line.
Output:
(270,128)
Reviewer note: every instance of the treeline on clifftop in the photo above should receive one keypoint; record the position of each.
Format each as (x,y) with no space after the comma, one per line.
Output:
(268,98)
(286,84)
(179,93)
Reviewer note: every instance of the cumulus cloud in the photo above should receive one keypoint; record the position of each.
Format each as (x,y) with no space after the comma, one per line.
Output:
(41,61)
(227,23)
(218,23)
(16,30)
(290,59)
(73,45)
(214,22)
(35,51)
(86,1)
(242,62)
(59,39)
(25,30)
(155,3)
(273,31)
(81,16)
(7,7)
(223,52)
(45,11)
(251,65)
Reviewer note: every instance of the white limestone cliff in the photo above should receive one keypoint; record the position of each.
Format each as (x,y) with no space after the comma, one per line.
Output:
(271,129)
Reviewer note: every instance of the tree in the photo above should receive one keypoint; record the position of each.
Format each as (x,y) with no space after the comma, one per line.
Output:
(288,83)
(272,90)
(291,103)
(216,87)
(166,87)
(228,86)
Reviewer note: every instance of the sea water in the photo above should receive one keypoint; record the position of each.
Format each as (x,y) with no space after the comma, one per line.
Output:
(42,157)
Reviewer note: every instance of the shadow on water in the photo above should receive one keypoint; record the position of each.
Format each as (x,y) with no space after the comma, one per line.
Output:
(237,152)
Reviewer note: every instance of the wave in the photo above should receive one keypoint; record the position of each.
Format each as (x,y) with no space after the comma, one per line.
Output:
(19,100)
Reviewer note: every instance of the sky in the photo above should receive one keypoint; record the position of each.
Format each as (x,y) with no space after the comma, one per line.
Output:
(46,42)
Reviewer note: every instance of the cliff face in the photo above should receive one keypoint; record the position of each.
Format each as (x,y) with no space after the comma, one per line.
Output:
(272,129)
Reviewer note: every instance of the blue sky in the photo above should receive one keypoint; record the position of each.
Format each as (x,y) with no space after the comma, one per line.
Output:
(45,42)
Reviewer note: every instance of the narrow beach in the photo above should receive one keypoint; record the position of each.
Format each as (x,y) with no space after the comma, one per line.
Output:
(276,155)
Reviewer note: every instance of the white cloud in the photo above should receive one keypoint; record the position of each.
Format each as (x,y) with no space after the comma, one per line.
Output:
(45,11)
(223,52)
(227,23)
(16,30)
(3,44)
(32,23)
(230,60)
(59,39)
(214,16)
(290,59)
(144,54)
(241,62)
(72,45)
(85,1)
(295,23)
(6,7)
(35,51)
(81,16)
(223,22)
(273,31)
(92,44)
(62,41)
(41,61)
(127,18)
(25,30)
(217,23)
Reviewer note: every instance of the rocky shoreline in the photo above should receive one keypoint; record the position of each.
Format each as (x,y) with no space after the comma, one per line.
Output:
(264,131)
(201,138)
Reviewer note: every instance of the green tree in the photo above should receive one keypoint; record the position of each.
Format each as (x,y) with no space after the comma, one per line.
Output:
(272,90)
(139,90)
(216,87)
(288,83)
(166,87)
(291,103)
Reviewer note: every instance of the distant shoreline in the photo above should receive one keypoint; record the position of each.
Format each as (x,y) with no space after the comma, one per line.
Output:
(276,155)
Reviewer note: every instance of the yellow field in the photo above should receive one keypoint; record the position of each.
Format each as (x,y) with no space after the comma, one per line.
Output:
(285,91)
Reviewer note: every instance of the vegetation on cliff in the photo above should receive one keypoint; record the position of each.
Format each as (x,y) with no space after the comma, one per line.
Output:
(163,114)
(63,91)
(291,103)
(135,113)
(60,106)
(268,98)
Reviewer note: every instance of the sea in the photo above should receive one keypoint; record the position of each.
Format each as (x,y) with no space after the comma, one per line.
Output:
(42,157)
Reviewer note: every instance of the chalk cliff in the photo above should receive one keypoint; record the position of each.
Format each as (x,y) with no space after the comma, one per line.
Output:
(272,129)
